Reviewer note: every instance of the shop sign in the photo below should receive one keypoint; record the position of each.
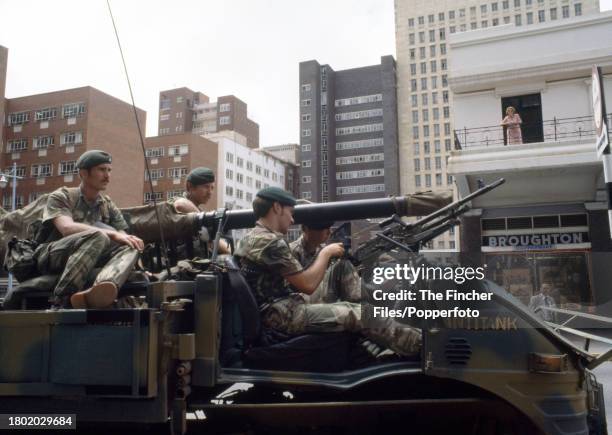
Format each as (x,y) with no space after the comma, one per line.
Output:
(535,241)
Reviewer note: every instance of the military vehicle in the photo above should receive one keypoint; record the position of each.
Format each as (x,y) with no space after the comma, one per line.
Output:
(198,353)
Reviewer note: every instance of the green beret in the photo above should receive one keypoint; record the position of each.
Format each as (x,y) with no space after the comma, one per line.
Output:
(92,158)
(319,225)
(277,194)
(201,175)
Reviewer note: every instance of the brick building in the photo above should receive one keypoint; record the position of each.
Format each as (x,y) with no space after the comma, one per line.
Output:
(44,135)
(182,110)
(171,158)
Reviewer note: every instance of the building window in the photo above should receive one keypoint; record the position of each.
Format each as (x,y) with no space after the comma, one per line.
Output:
(441,16)
(73,110)
(413,85)
(447,144)
(506,20)
(155,152)
(163,131)
(258,169)
(225,107)
(414,99)
(177,172)
(452,29)
(45,114)
(529,17)
(447,129)
(416,148)
(71,138)
(437,147)
(518,20)
(451,15)
(449,179)
(553,13)
(239,178)
(427,163)
(438,161)
(306,179)
(239,194)
(494,7)
(426,147)
(427,180)
(412,54)
(164,117)
(484,24)
(445,96)
(433,66)
(364,99)
(421,37)
(415,132)
(483,9)
(473,25)
(178,150)
(410,22)
(432,50)
(229,174)
(306,103)
(417,165)
(266,173)
(423,67)
(306,147)
(461,12)
(411,39)
(249,197)
(229,190)
(432,36)
(306,195)
(156,174)
(578,9)
(415,116)
(306,163)
(306,87)
(431,18)
(565,11)
(306,117)
(505,4)
(444,80)
(68,168)
(422,52)
(425,115)
(362,158)
(42,170)
(423,83)
(426,131)
(541,16)
(517,3)
(417,180)
(239,162)
(434,97)
(17,145)
(436,113)
(229,157)
(495,22)
(249,165)
(18,118)
(173,194)
(306,132)
(451,244)
(224,120)
(148,197)
(179,99)
(359,129)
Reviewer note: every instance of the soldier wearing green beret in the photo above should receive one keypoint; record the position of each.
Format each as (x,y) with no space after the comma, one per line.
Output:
(83,229)
(282,286)
(199,187)
(341,281)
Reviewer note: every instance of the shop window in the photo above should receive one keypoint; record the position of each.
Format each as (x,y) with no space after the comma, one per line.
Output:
(574,220)
(546,221)
(519,223)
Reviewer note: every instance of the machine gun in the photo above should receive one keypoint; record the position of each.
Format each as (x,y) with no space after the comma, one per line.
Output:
(410,237)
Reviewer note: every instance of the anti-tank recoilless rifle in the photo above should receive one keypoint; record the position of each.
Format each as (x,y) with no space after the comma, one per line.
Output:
(411,236)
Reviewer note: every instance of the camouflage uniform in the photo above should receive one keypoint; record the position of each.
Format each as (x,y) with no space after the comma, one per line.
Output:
(78,254)
(341,281)
(265,258)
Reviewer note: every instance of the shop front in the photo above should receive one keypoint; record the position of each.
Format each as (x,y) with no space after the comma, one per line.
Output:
(524,252)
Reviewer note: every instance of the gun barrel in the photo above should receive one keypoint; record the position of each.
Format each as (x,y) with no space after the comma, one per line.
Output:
(409,205)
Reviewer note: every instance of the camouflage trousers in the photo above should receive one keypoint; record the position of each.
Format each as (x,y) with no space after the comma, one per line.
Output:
(78,254)
(341,282)
(296,315)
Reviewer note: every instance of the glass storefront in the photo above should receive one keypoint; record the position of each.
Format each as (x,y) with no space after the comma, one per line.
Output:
(522,274)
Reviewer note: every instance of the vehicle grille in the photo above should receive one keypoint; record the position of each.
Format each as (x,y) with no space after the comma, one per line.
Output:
(458,351)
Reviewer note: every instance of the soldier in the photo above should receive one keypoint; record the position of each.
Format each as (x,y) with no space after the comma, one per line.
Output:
(268,264)
(199,186)
(83,229)
(341,280)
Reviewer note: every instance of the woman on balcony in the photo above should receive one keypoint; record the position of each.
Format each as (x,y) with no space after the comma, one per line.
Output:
(512,122)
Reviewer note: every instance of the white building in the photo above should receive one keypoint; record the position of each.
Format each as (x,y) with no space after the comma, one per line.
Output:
(425,103)
(243,170)
(549,221)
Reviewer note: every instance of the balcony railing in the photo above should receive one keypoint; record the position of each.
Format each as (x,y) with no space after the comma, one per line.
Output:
(553,130)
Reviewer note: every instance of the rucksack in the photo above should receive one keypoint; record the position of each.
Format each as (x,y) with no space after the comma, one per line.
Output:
(142,222)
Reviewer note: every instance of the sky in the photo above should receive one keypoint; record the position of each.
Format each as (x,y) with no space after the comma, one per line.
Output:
(248,48)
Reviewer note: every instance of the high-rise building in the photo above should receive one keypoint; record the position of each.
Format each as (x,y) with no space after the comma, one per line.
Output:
(46,133)
(3,67)
(182,110)
(424,99)
(348,132)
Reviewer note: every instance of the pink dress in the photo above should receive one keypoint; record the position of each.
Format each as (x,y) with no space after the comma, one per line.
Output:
(513,131)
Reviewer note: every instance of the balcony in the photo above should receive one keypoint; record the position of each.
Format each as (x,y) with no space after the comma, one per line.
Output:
(556,163)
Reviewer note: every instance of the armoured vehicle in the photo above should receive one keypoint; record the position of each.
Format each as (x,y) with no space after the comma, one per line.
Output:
(198,352)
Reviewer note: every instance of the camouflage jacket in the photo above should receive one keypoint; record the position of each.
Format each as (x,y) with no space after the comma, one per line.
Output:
(298,249)
(61,203)
(266,259)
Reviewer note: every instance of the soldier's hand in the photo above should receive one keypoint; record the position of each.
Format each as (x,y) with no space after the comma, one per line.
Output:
(129,240)
(333,250)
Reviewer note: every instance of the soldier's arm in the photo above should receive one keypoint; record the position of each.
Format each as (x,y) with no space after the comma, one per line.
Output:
(309,279)
(66,226)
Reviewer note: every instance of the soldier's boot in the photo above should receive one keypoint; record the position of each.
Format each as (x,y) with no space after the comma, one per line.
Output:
(401,339)
(100,295)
